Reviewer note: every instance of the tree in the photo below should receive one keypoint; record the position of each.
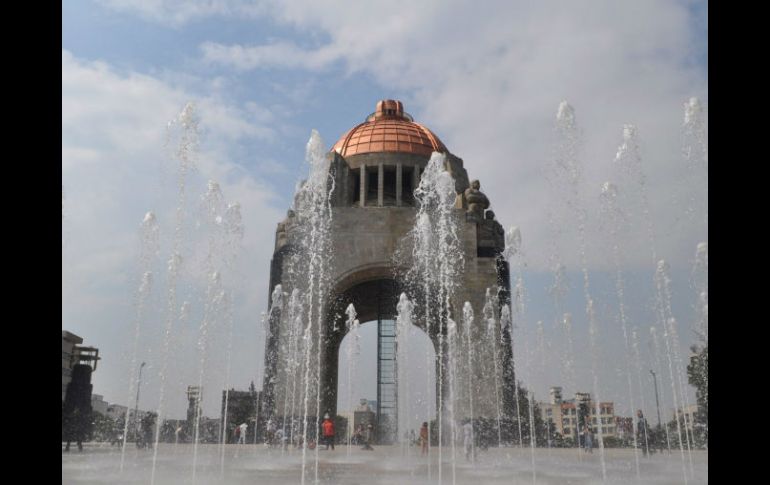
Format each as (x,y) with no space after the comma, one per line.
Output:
(698,377)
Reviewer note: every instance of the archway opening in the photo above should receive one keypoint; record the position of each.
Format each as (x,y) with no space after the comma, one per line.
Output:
(396,396)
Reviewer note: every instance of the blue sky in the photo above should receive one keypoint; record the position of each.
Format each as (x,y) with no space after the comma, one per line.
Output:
(486,78)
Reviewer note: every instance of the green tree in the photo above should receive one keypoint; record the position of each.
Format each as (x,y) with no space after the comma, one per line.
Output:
(698,377)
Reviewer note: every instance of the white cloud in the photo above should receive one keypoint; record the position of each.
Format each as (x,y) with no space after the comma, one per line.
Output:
(177,13)
(113,129)
(489,77)
(280,54)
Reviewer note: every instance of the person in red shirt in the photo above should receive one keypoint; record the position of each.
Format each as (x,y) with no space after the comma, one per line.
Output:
(328,431)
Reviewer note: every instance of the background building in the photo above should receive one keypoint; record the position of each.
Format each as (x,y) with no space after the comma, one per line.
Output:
(570,416)
(99,405)
(240,407)
(68,343)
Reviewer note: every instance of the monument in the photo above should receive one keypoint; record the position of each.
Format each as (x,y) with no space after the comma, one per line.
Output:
(375,168)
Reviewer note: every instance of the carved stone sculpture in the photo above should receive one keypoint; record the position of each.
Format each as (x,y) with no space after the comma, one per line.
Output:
(477,201)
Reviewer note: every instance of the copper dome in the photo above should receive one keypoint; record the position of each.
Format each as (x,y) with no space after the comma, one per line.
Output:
(389,129)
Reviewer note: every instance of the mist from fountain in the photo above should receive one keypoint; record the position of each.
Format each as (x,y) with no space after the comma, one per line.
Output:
(468,317)
(513,254)
(186,153)
(354,350)
(437,260)
(614,217)
(314,216)
(404,322)
(569,168)
(149,236)
(494,340)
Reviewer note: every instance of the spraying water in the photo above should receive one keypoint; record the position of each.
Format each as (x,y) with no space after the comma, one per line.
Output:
(404,319)
(513,250)
(494,340)
(186,154)
(695,154)
(354,350)
(150,247)
(437,259)
(568,164)
(614,216)
(467,326)
(314,215)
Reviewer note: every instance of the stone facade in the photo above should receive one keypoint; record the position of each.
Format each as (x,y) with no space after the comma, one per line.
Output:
(372,213)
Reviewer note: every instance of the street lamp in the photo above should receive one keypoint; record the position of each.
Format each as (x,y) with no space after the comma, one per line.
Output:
(657,403)
(136,407)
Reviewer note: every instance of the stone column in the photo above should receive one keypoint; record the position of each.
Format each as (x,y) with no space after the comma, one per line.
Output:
(398,185)
(380,183)
(345,183)
(415,177)
(362,187)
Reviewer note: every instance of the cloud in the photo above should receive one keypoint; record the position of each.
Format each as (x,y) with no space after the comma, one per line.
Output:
(281,54)
(177,13)
(114,169)
(488,79)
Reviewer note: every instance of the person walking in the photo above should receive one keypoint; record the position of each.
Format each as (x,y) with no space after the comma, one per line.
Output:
(242,433)
(424,439)
(369,437)
(328,431)
(588,439)
(642,433)
(468,440)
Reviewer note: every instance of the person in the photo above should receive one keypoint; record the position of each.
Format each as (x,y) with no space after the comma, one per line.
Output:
(328,431)
(424,438)
(242,433)
(283,438)
(468,440)
(412,440)
(369,436)
(73,426)
(588,439)
(148,425)
(642,433)
(270,432)
(358,434)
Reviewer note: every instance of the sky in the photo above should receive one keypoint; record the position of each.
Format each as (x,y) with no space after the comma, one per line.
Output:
(487,78)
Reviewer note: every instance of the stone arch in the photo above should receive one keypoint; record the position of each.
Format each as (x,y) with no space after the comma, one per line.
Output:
(374,290)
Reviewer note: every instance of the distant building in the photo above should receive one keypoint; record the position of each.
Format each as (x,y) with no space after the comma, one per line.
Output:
(564,414)
(98,404)
(73,354)
(241,407)
(68,343)
(365,405)
(116,411)
(687,417)
(624,428)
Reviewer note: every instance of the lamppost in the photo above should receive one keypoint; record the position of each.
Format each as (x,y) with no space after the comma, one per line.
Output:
(657,403)
(136,407)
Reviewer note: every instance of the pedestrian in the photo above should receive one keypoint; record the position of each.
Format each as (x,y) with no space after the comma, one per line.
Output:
(468,440)
(242,433)
(642,433)
(588,439)
(424,438)
(74,428)
(270,432)
(369,437)
(328,431)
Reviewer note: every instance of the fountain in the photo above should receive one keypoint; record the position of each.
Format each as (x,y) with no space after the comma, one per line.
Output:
(335,266)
